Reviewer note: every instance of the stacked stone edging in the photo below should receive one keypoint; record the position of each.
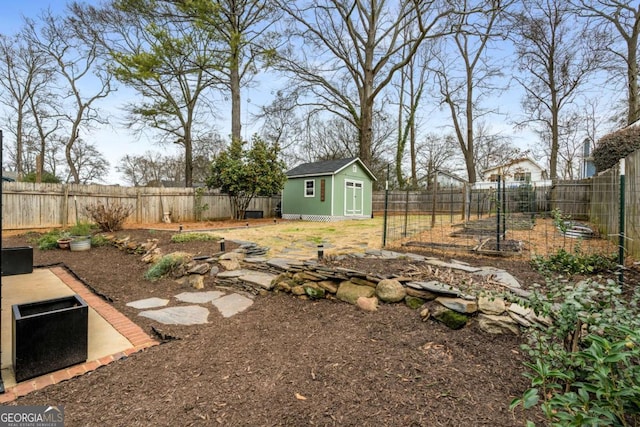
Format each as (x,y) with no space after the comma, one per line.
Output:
(247,269)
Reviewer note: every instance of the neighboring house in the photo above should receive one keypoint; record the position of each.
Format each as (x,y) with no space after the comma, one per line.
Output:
(330,190)
(515,173)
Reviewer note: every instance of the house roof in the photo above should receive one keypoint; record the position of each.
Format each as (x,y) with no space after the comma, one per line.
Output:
(326,167)
(512,163)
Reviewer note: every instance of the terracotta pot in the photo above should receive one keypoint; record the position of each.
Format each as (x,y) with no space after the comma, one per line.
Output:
(64,243)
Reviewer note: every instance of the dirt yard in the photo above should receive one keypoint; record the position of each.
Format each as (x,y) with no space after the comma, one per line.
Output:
(287,361)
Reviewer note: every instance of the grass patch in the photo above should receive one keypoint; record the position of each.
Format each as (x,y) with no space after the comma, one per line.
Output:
(193,237)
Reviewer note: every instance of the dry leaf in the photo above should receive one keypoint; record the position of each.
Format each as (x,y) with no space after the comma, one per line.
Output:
(300,397)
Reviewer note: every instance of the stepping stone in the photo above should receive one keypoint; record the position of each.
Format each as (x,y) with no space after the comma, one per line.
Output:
(264,280)
(148,303)
(189,315)
(199,297)
(232,304)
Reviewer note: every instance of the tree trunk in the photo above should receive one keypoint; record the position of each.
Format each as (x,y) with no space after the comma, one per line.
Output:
(470,152)
(632,77)
(553,157)
(67,149)
(188,161)
(236,107)
(19,144)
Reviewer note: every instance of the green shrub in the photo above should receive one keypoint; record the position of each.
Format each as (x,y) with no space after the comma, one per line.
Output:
(81,229)
(49,240)
(192,237)
(99,240)
(166,265)
(585,368)
(47,177)
(615,146)
(574,263)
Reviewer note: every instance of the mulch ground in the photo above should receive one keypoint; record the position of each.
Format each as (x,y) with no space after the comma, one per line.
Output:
(287,361)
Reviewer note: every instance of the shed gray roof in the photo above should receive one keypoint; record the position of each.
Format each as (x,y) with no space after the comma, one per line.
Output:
(326,167)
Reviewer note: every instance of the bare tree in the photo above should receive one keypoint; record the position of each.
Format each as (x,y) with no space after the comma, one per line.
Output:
(282,122)
(76,63)
(492,148)
(344,53)
(469,75)
(23,74)
(411,85)
(621,17)
(151,167)
(556,57)
(89,164)
(436,153)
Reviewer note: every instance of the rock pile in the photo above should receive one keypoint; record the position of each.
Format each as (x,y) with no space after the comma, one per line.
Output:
(434,299)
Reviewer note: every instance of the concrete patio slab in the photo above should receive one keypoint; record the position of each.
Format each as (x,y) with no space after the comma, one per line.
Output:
(111,334)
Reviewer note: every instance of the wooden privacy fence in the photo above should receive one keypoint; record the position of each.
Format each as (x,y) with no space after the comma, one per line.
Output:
(29,205)
(605,203)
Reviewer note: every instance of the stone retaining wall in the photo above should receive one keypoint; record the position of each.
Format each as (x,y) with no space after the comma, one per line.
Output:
(247,269)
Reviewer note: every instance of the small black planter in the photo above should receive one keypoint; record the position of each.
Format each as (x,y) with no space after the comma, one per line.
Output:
(253,214)
(49,335)
(18,260)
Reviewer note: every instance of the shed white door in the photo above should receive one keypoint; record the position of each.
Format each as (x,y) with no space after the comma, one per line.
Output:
(353,201)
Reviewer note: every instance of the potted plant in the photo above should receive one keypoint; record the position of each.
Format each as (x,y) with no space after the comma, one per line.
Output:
(80,236)
(64,240)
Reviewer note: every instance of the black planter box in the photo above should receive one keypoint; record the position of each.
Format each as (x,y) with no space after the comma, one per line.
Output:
(18,260)
(253,214)
(49,335)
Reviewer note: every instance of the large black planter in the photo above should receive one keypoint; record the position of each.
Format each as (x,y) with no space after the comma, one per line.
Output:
(18,260)
(49,335)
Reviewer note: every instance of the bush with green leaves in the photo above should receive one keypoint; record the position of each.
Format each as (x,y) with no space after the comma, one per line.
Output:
(585,368)
(576,262)
(615,146)
(166,265)
(193,236)
(98,240)
(81,229)
(49,240)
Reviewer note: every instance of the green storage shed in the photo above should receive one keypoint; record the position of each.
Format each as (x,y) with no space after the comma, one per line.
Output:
(330,190)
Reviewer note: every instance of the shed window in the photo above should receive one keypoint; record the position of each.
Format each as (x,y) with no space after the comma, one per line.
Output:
(309,188)
(522,176)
